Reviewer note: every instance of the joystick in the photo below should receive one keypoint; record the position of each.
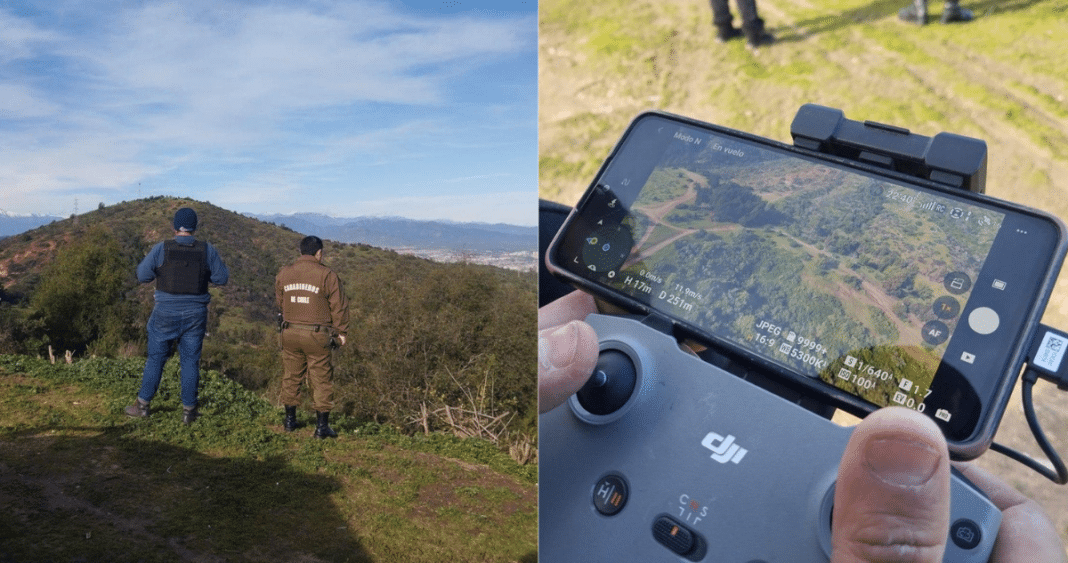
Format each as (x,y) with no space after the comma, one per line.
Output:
(611,384)
(697,464)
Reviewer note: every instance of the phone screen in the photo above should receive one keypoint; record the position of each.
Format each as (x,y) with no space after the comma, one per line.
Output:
(890,292)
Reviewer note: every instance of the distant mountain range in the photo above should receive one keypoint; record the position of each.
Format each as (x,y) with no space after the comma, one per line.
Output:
(383,232)
(399,232)
(15,224)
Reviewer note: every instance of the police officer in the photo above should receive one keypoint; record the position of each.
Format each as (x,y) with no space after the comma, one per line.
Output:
(315,318)
(182,268)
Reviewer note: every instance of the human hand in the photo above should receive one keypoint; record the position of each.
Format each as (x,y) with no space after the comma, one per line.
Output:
(341,339)
(567,348)
(891,500)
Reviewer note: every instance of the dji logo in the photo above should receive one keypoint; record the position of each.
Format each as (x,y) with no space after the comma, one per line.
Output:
(723,449)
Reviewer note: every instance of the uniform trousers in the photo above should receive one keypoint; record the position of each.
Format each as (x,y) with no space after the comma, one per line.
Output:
(306,355)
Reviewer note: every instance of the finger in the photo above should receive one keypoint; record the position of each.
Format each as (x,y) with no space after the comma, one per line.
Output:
(891,499)
(567,355)
(1026,532)
(571,307)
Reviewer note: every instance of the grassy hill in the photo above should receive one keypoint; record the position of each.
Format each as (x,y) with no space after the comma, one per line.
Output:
(79,481)
(423,336)
(435,405)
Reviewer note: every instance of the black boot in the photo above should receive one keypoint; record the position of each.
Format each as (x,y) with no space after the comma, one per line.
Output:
(756,35)
(289,424)
(952,12)
(727,32)
(322,426)
(189,414)
(139,409)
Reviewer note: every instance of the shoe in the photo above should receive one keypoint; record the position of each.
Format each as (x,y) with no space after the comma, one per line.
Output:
(725,33)
(756,35)
(322,426)
(954,13)
(289,423)
(189,414)
(138,409)
(912,14)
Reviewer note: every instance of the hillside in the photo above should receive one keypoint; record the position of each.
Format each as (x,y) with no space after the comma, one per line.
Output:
(424,335)
(79,481)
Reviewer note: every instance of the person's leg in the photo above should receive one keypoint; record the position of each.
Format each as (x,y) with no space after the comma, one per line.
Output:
(190,346)
(752,25)
(722,20)
(162,331)
(294,370)
(321,378)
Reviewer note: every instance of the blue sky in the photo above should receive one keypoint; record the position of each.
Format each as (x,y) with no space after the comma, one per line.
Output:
(420,109)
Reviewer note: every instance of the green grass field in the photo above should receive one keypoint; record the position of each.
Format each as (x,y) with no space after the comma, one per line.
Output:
(80,481)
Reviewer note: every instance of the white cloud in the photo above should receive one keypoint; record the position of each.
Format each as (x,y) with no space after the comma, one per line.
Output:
(255,100)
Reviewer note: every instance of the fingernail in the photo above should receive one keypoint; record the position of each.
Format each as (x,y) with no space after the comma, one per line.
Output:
(901,462)
(556,347)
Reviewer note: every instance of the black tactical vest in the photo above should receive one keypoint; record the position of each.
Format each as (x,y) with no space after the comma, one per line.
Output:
(185,268)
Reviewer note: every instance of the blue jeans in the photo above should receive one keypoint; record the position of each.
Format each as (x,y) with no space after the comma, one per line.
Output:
(186,326)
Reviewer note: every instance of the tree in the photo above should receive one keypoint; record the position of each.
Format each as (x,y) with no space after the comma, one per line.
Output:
(80,292)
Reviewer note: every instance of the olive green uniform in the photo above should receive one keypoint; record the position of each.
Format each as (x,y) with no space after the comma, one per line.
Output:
(314,311)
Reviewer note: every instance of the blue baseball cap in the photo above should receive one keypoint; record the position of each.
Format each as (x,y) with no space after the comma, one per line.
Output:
(185,219)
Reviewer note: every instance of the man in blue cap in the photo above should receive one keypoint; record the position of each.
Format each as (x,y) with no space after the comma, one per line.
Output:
(182,268)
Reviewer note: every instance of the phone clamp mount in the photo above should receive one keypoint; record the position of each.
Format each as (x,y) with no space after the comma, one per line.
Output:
(947,158)
(665,455)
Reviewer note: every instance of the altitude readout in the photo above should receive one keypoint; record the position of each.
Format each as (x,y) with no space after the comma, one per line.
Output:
(647,283)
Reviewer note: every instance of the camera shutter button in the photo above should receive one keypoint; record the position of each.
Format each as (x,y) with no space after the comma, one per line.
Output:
(984,320)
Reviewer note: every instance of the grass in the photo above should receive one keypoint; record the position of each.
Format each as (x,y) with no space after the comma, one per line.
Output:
(79,481)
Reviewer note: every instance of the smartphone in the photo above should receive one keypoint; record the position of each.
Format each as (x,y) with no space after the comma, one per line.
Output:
(860,286)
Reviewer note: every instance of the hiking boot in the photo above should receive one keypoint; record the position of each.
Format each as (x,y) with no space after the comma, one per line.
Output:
(322,426)
(189,414)
(138,409)
(725,33)
(756,35)
(289,423)
(913,14)
(952,12)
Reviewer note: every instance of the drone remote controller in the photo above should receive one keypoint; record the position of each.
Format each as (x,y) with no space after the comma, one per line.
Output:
(678,460)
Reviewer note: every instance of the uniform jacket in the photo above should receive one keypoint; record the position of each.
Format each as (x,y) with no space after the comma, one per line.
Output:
(307,292)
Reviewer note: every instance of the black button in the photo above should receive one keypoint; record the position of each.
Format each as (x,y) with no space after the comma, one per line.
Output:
(965,533)
(675,536)
(610,494)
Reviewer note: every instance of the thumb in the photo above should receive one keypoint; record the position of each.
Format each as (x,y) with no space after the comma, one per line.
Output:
(567,355)
(891,501)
